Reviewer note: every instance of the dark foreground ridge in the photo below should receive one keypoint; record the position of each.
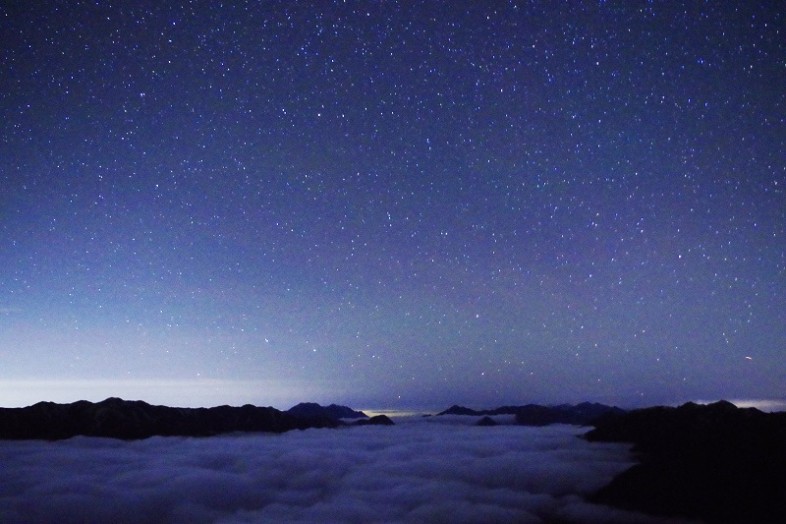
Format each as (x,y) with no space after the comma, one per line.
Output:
(718,463)
(124,419)
(535,415)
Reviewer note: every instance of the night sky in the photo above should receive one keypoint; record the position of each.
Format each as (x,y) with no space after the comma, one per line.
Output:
(392,204)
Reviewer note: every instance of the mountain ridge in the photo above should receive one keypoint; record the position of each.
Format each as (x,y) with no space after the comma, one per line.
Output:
(538,415)
(334,411)
(136,419)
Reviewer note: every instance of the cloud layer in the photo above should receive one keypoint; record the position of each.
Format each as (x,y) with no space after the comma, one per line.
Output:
(422,470)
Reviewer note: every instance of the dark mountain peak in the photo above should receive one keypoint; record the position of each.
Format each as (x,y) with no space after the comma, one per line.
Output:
(455,409)
(112,400)
(688,405)
(46,404)
(723,404)
(305,405)
(116,402)
(345,412)
(333,411)
(378,420)
(592,405)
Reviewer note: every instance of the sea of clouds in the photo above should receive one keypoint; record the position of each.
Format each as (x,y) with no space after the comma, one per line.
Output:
(438,469)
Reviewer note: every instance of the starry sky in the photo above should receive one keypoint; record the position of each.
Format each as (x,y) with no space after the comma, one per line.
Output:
(392,204)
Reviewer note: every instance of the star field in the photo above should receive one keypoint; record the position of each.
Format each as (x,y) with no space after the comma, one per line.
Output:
(392,204)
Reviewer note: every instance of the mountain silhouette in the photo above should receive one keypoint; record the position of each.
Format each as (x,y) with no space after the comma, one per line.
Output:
(124,419)
(717,462)
(333,411)
(537,415)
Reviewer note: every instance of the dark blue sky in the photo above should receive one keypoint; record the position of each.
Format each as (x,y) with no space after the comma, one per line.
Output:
(392,204)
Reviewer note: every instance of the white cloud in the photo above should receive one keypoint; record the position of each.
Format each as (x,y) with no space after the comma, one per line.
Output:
(421,470)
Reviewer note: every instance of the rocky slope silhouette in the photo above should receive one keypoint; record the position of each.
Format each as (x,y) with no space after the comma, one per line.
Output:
(716,462)
(123,419)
